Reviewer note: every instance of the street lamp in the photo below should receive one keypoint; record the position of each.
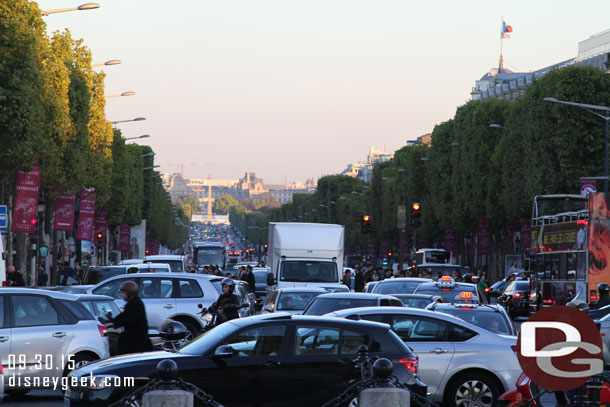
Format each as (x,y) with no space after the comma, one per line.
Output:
(137,119)
(86,6)
(134,138)
(496,126)
(424,159)
(150,168)
(128,93)
(456,144)
(149,155)
(590,109)
(111,62)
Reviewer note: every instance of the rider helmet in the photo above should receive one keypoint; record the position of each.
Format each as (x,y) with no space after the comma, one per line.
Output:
(130,288)
(603,288)
(230,283)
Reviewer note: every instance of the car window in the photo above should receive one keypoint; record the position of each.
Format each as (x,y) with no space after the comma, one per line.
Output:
(1,311)
(100,308)
(321,306)
(111,288)
(492,321)
(317,341)
(156,288)
(76,308)
(189,288)
(373,317)
(460,334)
(95,275)
(295,301)
(175,265)
(398,287)
(33,310)
(261,341)
(351,342)
(411,328)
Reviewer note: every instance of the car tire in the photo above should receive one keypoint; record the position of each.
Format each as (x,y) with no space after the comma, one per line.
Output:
(192,327)
(479,388)
(80,359)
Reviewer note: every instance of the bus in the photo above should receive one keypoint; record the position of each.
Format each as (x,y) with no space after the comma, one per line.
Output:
(570,248)
(209,254)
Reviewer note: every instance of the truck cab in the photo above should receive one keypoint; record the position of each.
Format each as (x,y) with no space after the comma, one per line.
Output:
(299,272)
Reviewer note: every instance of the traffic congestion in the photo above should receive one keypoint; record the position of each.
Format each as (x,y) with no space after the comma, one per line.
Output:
(450,338)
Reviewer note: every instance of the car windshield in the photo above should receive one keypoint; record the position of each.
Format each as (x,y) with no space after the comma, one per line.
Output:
(100,308)
(295,301)
(414,302)
(260,276)
(175,265)
(396,287)
(205,343)
(98,274)
(522,286)
(492,321)
(321,306)
(209,256)
(309,271)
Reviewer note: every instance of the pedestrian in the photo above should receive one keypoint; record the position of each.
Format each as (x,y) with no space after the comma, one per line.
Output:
(457,275)
(14,278)
(347,279)
(79,272)
(388,274)
(359,281)
(134,338)
(248,277)
(65,273)
(603,291)
(42,278)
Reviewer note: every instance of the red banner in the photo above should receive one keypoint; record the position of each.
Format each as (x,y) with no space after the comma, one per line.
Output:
(510,239)
(450,241)
(483,243)
(385,248)
(86,215)
(101,222)
(26,201)
(587,186)
(526,235)
(423,242)
(63,218)
(152,246)
(124,238)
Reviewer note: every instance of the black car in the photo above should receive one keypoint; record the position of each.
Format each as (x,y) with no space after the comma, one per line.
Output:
(325,303)
(451,291)
(516,298)
(419,300)
(273,360)
(402,285)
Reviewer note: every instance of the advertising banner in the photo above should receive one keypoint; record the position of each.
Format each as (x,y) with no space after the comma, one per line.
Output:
(587,186)
(510,239)
(125,238)
(371,250)
(152,246)
(526,236)
(101,222)
(483,242)
(26,201)
(559,236)
(384,249)
(63,217)
(599,238)
(450,241)
(86,214)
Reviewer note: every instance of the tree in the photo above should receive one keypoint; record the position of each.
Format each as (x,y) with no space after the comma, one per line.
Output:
(224,203)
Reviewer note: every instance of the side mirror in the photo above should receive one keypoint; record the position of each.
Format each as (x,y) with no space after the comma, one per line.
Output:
(270,279)
(200,306)
(223,352)
(268,308)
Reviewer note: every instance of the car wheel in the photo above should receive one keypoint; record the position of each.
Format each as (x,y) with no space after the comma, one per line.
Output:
(193,330)
(472,390)
(80,360)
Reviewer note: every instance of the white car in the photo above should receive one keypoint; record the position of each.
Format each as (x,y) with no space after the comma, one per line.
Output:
(46,334)
(177,263)
(149,268)
(462,364)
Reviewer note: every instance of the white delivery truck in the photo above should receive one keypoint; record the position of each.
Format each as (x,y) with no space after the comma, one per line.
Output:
(305,254)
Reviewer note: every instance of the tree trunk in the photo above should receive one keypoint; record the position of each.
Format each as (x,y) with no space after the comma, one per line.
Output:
(21,255)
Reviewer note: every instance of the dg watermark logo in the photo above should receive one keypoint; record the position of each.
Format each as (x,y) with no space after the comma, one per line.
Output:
(560,348)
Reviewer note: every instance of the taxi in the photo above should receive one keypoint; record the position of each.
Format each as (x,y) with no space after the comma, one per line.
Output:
(447,288)
(493,318)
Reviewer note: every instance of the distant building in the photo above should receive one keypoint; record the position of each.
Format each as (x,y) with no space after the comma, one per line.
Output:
(364,170)
(284,193)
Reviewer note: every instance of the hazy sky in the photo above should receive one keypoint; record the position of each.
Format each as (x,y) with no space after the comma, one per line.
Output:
(292,89)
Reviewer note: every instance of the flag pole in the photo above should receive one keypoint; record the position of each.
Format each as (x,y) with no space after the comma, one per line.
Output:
(501,38)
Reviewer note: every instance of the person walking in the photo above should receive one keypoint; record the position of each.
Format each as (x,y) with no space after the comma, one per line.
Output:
(248,277)
(134,337)
(14,278)
(359,281)
(42,278)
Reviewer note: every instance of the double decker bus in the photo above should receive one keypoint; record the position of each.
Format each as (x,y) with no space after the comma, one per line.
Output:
(570,248)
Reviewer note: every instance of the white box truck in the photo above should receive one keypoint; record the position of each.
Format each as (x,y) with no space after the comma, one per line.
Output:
(305,254)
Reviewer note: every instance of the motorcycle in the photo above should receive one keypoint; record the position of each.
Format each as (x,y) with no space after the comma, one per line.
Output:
(212,317)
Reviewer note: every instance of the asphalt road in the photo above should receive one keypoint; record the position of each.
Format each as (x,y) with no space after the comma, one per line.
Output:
(35,398)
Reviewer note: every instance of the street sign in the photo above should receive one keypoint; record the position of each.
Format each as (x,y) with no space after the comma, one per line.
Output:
(44,251)
(401,217)
(3,219)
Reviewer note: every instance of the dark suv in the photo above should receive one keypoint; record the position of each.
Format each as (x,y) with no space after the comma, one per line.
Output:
(516,298)
(325,303)
(273,359)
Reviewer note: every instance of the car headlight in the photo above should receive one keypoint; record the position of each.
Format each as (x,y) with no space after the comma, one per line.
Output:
(208,317)
(97,382)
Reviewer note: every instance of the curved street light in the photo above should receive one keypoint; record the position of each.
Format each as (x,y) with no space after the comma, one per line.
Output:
(149,155)
(150,168)
(110,62)
(134,138)
(86,6)
(496,126)
(137,119)
(128,93)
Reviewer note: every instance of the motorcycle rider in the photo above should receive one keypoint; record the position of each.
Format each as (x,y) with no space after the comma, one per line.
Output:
(603,290)
(227,303)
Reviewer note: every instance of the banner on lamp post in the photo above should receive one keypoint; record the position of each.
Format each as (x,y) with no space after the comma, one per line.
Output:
(26,201)
(124,238)
(101,222)
(526,236)
(86,214)
(63,217)
(483,243)
(450,241)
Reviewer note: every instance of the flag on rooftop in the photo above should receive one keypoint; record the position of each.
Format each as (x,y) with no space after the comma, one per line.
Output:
(506,29)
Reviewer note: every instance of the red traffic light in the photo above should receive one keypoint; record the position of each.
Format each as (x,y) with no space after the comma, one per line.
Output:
(99,235)
(33,221)
(366,218)
(416,206)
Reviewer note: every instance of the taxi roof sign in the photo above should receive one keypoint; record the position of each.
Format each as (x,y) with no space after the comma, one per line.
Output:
(466,295)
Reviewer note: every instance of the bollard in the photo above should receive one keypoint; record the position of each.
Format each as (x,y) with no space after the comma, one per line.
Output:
(580,396)
(384,397)
(168,398)
(594,386)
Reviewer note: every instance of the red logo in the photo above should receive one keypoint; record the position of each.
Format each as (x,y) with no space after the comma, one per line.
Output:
(559,348)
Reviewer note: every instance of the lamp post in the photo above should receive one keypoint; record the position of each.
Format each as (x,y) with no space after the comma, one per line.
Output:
(128,93)
(137,119)
(496,126)
(150,168)
(149,155)
(86,6)
(591,109)
(134,138)
(110,62)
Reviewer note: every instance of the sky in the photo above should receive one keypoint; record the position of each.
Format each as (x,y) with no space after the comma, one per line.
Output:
(292,89)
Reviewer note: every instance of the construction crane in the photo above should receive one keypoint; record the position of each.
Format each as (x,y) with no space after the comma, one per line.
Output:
(182,165)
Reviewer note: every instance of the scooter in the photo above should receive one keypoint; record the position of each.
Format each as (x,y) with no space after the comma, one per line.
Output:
(212,317)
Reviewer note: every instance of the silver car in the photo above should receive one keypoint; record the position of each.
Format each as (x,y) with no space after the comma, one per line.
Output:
(462,364)
(45,334)
(168,296)
(604,329)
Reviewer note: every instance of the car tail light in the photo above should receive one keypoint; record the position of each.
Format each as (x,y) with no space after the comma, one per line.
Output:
(486,289)
(4,284)
(410,365)
(517,295)
(102,330)
(514,348)
(1,370)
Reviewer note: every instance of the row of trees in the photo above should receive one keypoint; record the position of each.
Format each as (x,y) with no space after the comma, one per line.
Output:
(52,113)
(472,171)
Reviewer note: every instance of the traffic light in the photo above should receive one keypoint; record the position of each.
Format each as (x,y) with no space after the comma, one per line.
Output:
(416,215)
(365,224)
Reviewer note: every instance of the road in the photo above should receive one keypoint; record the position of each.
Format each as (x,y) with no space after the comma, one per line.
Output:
(36,398)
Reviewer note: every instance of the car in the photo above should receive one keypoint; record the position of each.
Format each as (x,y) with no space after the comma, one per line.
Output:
(99,305)
(401,285)
(491,317)
(168,296)
(177,263)
(260,279)
(436,271)
(149,268)
(274,360)
(418,300)
(450,290)
(516,298)
(368,287)
(292,300)
(325,303)
(45,333)
(462,364)
(95,275)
